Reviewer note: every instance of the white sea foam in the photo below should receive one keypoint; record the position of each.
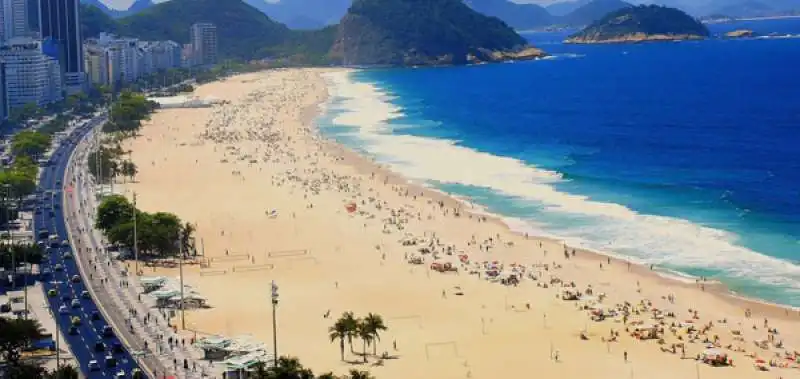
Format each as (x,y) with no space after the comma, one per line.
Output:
(607,227)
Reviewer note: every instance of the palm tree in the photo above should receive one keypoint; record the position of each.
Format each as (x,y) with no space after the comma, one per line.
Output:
(356,374)
(339,331)
(374,325)
(351,324)
(363,332)
(289,368)
(327,375)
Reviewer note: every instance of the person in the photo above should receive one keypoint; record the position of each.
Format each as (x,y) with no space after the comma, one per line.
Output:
(625,356)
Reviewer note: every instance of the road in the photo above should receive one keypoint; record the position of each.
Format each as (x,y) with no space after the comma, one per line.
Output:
(66,279)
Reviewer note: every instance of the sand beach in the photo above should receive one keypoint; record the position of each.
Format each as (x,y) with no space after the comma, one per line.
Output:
(272,200)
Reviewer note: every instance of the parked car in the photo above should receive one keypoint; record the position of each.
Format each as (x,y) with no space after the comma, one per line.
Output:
(76,303)
(85,294)
(95,316)
(94,366)
(63,310)
(73,330)
(99,346)
(107,331)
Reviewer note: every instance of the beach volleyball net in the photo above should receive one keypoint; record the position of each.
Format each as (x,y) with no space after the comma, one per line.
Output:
(445,349)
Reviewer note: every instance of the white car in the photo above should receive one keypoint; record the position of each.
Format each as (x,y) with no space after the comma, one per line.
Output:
(63,310)
(93,365)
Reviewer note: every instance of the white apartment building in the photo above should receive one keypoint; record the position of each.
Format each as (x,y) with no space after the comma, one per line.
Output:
(203,37)
(111,60)
(30,75)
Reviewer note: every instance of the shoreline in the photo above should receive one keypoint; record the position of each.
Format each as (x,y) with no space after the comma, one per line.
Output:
(343,251)
(714,286)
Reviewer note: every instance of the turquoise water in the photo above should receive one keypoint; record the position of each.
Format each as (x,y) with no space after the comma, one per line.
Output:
(683,155)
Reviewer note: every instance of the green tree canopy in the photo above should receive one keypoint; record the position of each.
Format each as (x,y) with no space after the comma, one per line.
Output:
(113,211)
(15,336)
(30,143)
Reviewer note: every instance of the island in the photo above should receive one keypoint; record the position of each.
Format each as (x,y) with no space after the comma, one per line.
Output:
(425,33)
(642,23)
(741,33)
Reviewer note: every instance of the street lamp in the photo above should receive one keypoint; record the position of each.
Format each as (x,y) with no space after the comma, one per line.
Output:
(135,239)
(274,324)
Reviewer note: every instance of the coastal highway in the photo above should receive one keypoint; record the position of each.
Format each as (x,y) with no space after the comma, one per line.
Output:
(72,300)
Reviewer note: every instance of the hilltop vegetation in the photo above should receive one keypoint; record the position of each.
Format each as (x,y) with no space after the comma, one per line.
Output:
(642,23)
(420,32)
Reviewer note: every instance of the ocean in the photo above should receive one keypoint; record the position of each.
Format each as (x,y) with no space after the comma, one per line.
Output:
(681,155)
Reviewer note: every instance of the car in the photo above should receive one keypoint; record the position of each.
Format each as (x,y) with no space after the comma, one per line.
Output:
(107,331)
(76,279)
(59,267)
(111,361)
(99,346)
(85,294)
(46,271)
(63,310)
(76,321)
(67,255)
(95,316)
(116,347)
(52,292)
(73,330)
(65,243)
(93,365)
(120,374)
(76,303)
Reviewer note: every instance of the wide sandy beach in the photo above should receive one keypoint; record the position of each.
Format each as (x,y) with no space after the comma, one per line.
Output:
(270,200)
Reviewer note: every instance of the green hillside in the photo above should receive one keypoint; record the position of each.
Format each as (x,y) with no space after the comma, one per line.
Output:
(417,32)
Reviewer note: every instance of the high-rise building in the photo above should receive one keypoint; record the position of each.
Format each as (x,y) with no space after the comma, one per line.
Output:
(3,102)
(30,76)
(60,20)
(203,37)
(14,19)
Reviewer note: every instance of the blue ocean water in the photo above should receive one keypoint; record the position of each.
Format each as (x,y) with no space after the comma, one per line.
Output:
(683,155)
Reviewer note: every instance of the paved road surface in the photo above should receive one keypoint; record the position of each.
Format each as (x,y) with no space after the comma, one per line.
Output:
(49,221)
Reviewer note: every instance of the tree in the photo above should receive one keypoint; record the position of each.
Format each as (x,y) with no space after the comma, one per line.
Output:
(351,324)
(30,143)
(15,336)
(113,211)
(128,169)
(187,239)
(356,374)
(373,324)
(339,331)
(64,372)
(363,332)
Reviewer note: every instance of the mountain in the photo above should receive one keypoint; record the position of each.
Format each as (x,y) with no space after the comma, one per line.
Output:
(642,23)
(592,11)
(517,16)
(136,7)
(736,8)
(303,14)
(241,29)
(424,32)
(564,7)
(94,21)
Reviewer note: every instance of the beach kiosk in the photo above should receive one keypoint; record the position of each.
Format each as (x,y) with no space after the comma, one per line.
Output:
(164,297)
(150,284)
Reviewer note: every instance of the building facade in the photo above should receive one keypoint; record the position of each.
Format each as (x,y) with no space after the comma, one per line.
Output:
(14,19)
(115,61)
(203,38)
(60,20)
(30,76)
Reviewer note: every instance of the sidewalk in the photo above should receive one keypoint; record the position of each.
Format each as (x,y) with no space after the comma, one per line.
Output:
(159,347)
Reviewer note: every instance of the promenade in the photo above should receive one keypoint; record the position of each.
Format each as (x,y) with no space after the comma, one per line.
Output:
(144,328)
